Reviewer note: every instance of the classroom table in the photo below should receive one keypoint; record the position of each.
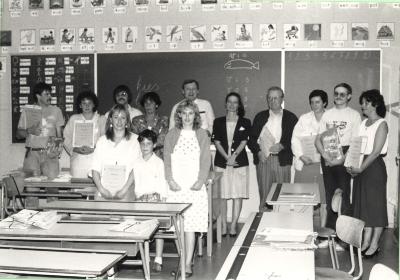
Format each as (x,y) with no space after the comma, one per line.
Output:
(251,261)
(298,197)
(84,233)
(59,261)
(149,209)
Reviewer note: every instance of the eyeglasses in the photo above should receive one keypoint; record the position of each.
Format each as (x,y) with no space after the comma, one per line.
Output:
(340,94)
(122,93)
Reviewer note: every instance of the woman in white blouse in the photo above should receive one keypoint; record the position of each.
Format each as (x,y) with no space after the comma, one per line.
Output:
(307,162)
(81,156)
(114,157)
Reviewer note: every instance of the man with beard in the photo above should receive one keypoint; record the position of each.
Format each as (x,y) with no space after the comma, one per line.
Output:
(122,95)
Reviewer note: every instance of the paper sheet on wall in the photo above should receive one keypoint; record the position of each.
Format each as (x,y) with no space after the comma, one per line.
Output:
(309,149)
(266,141)
(355,153)
(83,134)
(113,177)
(33,115)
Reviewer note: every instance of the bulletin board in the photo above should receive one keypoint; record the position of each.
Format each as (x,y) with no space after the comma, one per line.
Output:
(67,74)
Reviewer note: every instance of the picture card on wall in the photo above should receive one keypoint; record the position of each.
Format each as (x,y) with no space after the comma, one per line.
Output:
(56,4)
(153,34)
(76,4)
(47,36)
(163,2)
(185,2)
(86,35)
(219,33)
(141,2)
(292,31)
(339,31)
(67,36)
(267,32)
(5,38)
(312,31)
(129,34)
(98,3)
(197,33)
(27,37)
(385,31)
(244,32)
(3,61)
(359,31)
(110,35)
(174,33)
(15,5)
(205,2)
(120,3)
(36,4)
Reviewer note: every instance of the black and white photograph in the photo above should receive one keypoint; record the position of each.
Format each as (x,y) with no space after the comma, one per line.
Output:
(36,4)
(86,35)
(174,33)
(129,34)
(27,37)
(153,34)
(76,4)
(67,36)
(56,4)
(338,31)
(219,33)
(267,32)
(292,31)
(110,35)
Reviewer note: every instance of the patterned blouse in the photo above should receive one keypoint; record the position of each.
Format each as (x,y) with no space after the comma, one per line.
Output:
(160,127)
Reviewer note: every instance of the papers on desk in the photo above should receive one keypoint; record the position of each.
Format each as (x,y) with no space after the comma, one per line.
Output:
(135,226)
(296,196)
(26,218)
(62,177)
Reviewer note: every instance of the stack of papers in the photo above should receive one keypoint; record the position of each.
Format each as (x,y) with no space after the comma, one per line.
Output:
(25,218)
(135,226)
(296,196)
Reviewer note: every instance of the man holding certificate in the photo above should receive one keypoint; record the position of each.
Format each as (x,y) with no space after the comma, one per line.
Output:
(40,125)
(270,143)
(307,158)
(114,157)
(82,132)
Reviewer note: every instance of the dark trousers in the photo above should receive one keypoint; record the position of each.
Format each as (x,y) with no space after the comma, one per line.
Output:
(336,177)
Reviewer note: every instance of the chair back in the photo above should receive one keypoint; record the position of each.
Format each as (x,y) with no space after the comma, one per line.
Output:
(349,230)
(337,201)
(14,185)
(380,271)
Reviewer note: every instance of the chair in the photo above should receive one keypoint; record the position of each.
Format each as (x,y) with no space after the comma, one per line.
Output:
(380,271)
(329,233)
(349,230)
(11,199)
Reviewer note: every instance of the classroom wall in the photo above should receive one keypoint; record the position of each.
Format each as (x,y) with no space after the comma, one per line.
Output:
(11,155)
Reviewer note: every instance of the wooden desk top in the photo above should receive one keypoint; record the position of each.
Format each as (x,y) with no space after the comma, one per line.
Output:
(274,198)
(48,184)
(76,232)
(117,207)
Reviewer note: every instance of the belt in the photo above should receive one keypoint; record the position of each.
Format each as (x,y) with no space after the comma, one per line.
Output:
(28,149)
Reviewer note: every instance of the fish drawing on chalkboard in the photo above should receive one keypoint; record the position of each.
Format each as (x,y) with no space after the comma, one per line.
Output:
(241,64)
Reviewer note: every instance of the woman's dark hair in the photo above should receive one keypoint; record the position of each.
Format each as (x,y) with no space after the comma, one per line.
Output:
(109,128)
(374,97)
(86,95)
(149,135)
(320,93)
(122,88)
(152,96)
(38,89)
(240,111)
(181,107)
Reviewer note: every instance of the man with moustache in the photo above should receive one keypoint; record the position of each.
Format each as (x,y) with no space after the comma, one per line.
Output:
(270,143)
(41,158)
(122,95)
(190,91)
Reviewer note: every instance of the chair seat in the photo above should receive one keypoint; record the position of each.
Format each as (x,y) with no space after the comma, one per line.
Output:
(325,232)
(326,273)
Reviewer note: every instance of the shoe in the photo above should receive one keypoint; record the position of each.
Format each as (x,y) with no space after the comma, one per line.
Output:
(339,248)
(157,267)
(187,274)
(323,244)
(224,234)
(233,234)
(373,254)
(363,251)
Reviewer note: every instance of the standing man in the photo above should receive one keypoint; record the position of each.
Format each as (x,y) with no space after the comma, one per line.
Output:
(40,124)
(347,122)
(122,95)
(190,91)
(270,143)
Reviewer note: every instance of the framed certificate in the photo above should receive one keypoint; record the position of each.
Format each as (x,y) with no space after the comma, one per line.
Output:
(355,153)
(83,134)
(309,149)
(33,115)
(113,177)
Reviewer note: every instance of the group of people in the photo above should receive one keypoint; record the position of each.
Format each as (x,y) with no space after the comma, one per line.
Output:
(148,157)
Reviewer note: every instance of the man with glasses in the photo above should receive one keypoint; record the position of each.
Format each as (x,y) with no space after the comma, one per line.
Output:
(270,143)
(122,95)
(347,122)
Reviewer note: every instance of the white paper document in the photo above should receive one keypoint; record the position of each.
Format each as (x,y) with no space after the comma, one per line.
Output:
(83,134)
(33,115)
(113,177)
(266,141)
(355,153)
(309,149)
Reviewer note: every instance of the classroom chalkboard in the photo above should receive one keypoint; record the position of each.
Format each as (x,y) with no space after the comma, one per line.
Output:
(68,74)
(323,69)
(248,72)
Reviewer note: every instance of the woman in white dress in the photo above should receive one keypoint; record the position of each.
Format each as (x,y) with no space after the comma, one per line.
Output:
(81,157)
(187,161)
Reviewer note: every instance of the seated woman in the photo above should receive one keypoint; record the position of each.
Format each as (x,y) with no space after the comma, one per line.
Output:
(114,157)
(187,161)
(152,120)
(81,156)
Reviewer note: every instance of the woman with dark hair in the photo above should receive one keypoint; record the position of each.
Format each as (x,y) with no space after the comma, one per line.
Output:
(114,157)
(369,186)
(81,156)
(308,167)
(187,161)
(231,133)
(151,120)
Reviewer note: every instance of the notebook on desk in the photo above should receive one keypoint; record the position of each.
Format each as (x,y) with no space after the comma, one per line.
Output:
(82,180)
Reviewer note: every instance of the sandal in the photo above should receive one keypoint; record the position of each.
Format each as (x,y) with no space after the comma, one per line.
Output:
(157,267)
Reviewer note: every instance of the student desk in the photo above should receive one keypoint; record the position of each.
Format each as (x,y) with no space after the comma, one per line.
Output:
(298,197)
(249,261)
(83,233)
(58,261)
(148,209)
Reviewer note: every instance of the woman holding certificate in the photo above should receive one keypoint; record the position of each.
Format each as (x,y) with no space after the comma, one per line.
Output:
(369,186)
(306,157)
(82,132)
(114,157)
(187,161)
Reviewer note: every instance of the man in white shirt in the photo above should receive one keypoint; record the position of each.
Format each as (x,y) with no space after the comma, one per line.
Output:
(347,122)
(270,143)
(122,95)
(190,91)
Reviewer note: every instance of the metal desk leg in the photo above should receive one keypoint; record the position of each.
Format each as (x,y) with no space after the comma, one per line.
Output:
(147,253)
(144,257)
(2,201)
(180,234)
